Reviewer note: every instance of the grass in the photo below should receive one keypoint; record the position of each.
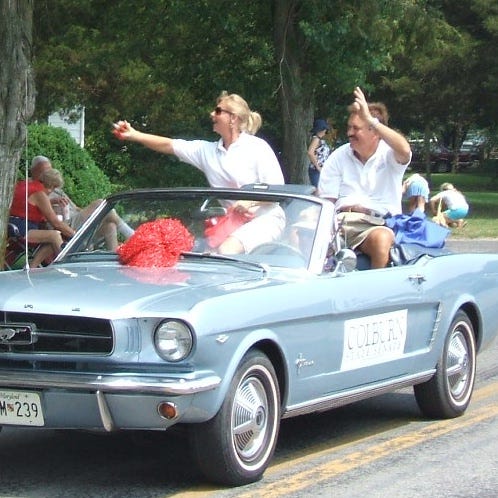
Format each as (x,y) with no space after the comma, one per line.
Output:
(482,218)
(480,187)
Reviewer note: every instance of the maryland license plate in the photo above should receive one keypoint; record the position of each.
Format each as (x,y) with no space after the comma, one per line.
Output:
(20,408)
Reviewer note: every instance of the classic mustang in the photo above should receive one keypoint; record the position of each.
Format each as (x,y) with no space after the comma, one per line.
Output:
(174,329)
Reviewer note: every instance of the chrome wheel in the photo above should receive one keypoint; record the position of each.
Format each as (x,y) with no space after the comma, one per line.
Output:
(458,365)
(448,393)
(249,418)
(236,446)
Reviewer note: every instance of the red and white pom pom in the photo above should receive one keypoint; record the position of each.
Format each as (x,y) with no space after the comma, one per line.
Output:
(157,243)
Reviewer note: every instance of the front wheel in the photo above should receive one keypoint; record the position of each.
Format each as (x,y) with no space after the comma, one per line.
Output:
(448,393)
(236,446)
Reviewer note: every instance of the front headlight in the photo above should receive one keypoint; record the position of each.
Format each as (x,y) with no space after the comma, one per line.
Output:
(173,340)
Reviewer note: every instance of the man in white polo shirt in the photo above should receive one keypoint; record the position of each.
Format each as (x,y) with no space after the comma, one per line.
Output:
(364,179)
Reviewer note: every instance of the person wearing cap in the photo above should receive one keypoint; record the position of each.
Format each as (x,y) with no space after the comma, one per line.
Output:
(364,179)
(318,150)
(454,205)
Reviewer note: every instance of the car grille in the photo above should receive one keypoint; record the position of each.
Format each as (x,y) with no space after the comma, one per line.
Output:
(61,334)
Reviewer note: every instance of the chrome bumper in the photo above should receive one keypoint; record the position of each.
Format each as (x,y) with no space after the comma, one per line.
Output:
(109,383)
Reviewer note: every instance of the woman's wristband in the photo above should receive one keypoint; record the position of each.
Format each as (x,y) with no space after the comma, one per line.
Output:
(373,122)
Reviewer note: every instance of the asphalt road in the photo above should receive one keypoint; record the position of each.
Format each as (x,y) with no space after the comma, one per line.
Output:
(473,245)
(380,448)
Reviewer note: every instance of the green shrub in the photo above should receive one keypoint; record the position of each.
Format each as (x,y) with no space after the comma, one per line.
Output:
(131,165)
(83,179)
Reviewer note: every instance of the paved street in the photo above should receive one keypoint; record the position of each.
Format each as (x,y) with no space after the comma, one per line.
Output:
(472,245)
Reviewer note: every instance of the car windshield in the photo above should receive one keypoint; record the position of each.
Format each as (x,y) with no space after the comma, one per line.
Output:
(276,230)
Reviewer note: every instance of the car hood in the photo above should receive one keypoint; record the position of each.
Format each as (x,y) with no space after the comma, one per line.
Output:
(108,290)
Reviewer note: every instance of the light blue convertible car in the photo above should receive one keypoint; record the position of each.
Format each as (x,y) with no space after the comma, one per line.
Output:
(165,332)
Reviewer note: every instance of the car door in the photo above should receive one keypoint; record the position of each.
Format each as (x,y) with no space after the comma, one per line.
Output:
(375,327)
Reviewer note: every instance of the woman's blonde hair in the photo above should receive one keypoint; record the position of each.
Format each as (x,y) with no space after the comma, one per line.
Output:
(52,178)
(250,121)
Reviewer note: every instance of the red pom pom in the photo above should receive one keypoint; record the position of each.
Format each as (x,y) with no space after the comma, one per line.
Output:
(156,243)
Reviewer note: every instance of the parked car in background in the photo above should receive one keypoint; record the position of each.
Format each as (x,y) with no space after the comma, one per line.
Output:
(226,345)
(473,149)
(441,157)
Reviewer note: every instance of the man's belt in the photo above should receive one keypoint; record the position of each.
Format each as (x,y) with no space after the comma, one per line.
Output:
(362,210)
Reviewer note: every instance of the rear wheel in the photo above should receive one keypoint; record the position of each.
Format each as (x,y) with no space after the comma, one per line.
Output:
(236,446)
(448,393)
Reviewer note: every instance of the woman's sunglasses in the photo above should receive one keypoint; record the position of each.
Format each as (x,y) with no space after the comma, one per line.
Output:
(218,110)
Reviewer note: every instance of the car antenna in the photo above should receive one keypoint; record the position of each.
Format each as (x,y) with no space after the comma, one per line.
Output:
(26,176)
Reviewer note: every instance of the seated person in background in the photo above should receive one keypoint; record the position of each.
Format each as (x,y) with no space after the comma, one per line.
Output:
(364,179)
(416,191)
(76,216)
(454,205)
(39,211)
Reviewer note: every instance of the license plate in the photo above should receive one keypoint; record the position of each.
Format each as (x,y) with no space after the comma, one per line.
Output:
(20,408)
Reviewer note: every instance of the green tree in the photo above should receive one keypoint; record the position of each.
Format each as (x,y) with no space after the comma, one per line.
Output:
(289,58)
(431,82)
(154,65)
(160,64)
(479,19)
(324,50)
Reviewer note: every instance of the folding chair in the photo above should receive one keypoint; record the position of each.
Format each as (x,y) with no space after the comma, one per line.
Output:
(15,252)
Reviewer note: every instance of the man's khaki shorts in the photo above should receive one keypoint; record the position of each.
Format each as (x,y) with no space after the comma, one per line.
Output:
(356,227)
